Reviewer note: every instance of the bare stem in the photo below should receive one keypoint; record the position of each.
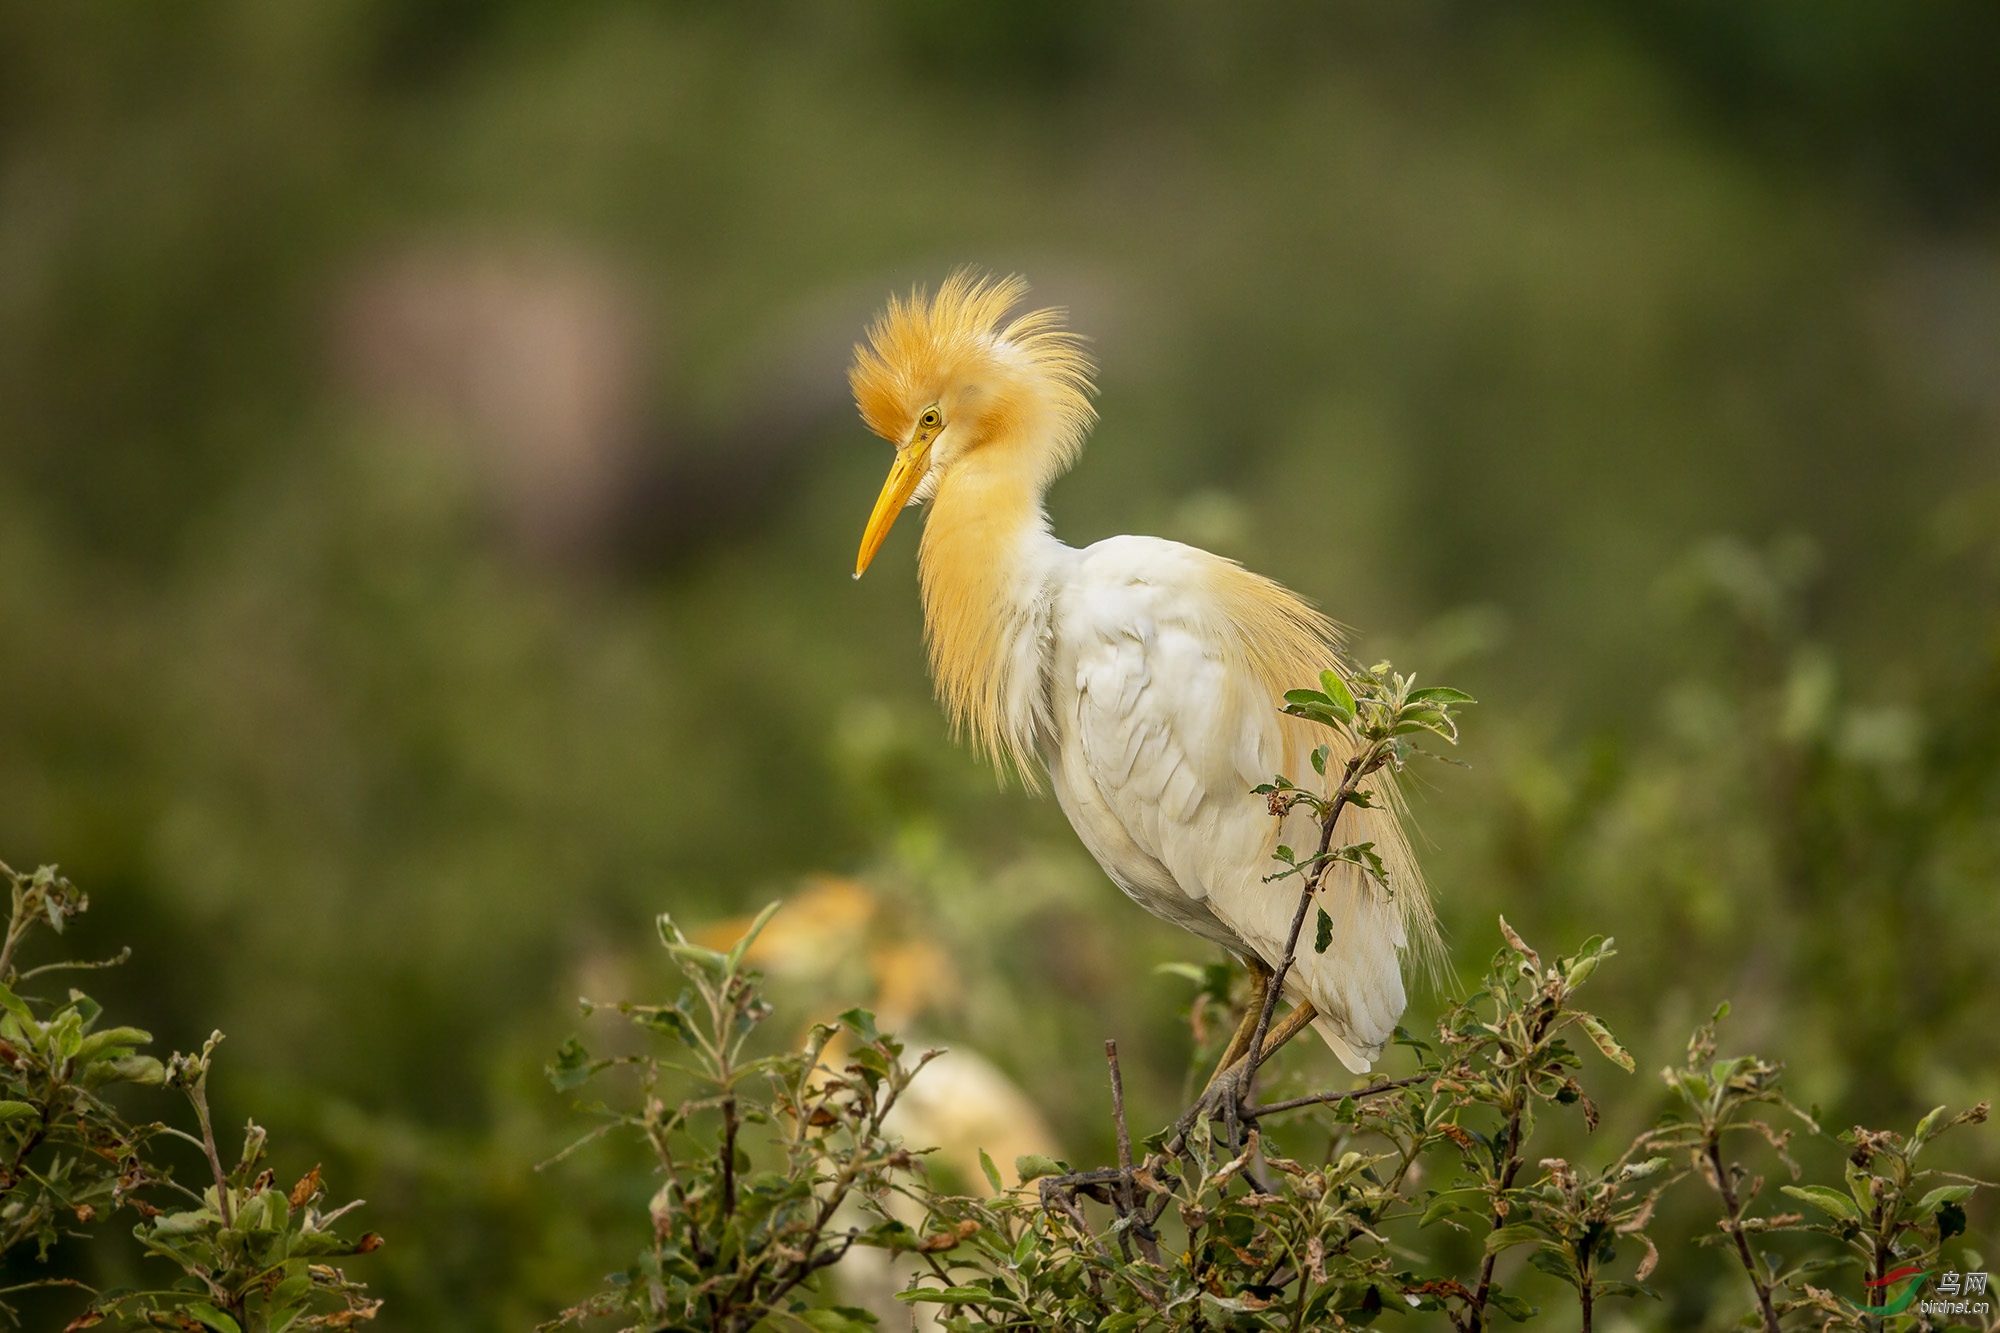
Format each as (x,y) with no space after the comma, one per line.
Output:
(1510,1164)
(728,1156)
(1733,1224)
(197,1094)
(1140,1227)
(1321,1098)
(18,925)
(1359,767)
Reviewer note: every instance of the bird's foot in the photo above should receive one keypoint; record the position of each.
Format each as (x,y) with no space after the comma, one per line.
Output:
(1222,1101)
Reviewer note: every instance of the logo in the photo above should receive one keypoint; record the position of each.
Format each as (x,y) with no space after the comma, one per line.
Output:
(1902,1302)
(1953,1295)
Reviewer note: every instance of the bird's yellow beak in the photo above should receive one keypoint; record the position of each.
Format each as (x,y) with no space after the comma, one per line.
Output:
(912,461)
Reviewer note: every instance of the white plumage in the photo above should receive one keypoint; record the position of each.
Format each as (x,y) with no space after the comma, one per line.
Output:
(1153,752)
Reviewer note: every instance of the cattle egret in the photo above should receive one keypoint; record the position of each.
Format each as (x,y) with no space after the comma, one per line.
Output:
(1143,676)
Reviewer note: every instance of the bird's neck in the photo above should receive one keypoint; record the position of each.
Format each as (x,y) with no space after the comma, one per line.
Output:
(985,566)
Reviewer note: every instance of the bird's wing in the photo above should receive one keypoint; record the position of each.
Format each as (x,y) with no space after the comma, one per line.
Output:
(1162,726)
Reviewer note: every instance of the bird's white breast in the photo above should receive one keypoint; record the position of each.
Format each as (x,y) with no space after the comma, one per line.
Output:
(1151,751)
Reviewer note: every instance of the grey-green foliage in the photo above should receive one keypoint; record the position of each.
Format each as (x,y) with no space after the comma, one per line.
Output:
(1409,1194)
(240,1255)
(771,1167)
(1886,1214)
(1347,1207)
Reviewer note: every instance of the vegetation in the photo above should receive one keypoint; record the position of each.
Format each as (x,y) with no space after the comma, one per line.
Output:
(1315,1211)
(246,1255)
(428,492)
(772,1169)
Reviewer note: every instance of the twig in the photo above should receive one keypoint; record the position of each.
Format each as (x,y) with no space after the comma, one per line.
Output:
(17,925)
(1364,763)
(197,1095)
(1055,1198)
(1127,1204)
(728,1156)
(1308,891)
(1317,1098)
(122,957)
(1733,1224)
(1510,1166)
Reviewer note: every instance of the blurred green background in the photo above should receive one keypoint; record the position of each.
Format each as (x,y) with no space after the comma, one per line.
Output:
(428,495)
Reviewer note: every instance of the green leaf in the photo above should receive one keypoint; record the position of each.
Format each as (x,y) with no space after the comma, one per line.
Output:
(1945,1194)
(126,1068)
(572,1066)
(1454,1203)
(862,1023)
(1337,691)
(1306,698)
(668,1020)
(1033,1166)
(1323,714)
(1928,1127)
(214,1318)
(121,1039)
(1441,694)
(185,1223)
(838,1319)
(1322,932)
(1607,1044)
(17,1111)
(1426,719)
(992,1171)
(1518,1234)
(1516,1309)
(742,946)
(18,1007)
(947,1295)
(1556,1261)
(1831,1202)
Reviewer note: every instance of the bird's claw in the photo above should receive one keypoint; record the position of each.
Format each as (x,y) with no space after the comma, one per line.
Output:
(1223,1099)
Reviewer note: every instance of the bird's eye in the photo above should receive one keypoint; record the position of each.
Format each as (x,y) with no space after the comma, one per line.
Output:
(930,419)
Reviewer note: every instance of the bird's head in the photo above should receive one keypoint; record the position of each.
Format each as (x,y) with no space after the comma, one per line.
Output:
(949,377)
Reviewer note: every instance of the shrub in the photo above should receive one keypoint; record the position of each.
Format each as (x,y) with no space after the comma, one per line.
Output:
(1323,1210)
(250,1257)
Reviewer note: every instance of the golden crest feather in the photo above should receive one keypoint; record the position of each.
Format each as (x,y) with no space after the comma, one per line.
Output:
(922,348)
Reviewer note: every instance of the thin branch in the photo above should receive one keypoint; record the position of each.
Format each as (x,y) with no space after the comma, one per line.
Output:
(1127,1204)
(197,1093)
(1321,1098)
(123,956)
(1510,1165)
(1308,891)
(1734,1226)
(728,1156)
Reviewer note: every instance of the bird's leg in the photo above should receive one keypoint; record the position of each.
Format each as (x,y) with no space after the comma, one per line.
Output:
(1225,1088)
(1288,1027)
(1239,1041)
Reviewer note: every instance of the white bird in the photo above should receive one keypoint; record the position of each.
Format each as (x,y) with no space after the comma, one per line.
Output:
(1145,677)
